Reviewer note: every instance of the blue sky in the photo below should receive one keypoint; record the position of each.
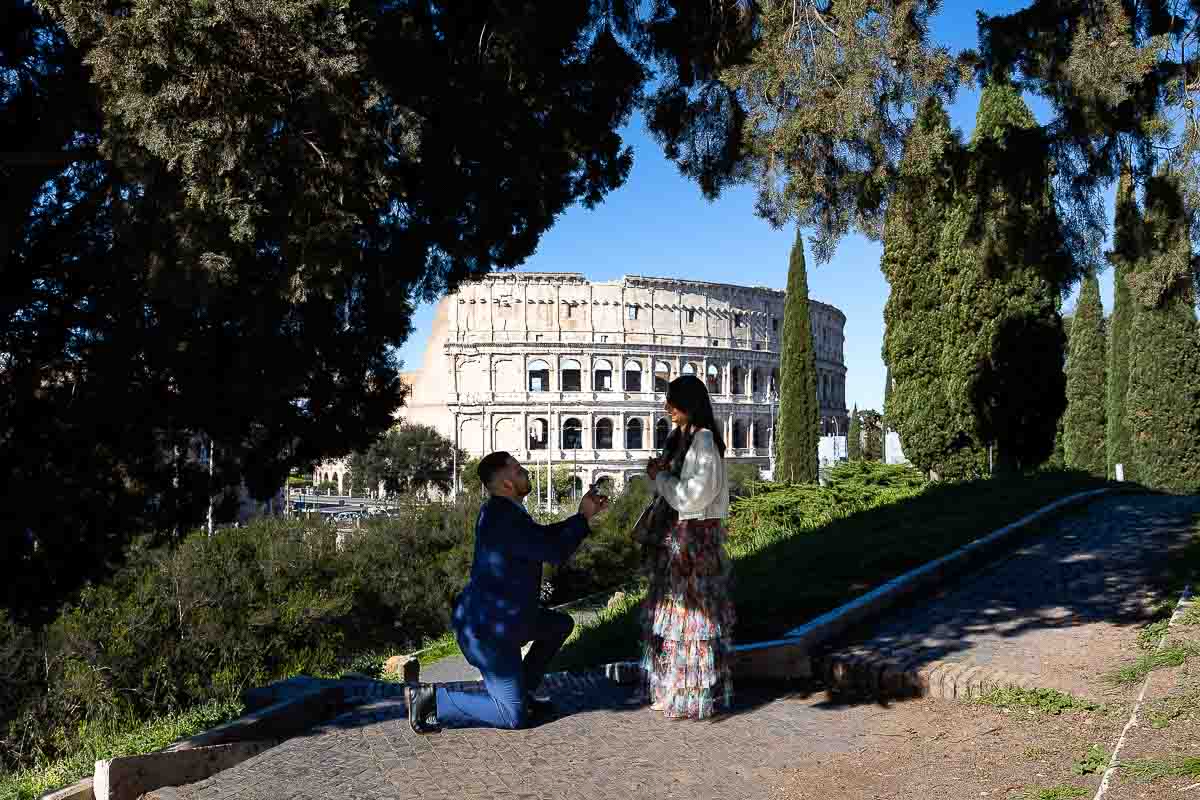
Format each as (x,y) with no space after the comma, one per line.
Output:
(659,224)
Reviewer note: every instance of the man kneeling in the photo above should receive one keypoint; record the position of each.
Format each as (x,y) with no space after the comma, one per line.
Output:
(498,611)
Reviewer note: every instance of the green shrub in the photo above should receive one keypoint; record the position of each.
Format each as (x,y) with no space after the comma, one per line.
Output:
(403,574)
(743,479)
(781,509)
(201,620)
(608,557)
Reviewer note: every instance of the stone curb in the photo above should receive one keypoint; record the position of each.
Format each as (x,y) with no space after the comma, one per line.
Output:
(870,675)
(130,777)
(277,721)
(283,709)
(792,656)
(81,790)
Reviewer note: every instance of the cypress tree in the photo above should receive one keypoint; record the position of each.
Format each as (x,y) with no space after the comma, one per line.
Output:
(1006,265)
(1162,407)
(872,427)
(935,434)
(1126,246)
(854,449)
(1083,423)
(796,437)
(887,389)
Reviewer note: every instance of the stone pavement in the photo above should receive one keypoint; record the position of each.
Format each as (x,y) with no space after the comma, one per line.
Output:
(1057,609)
(1036,610)
(603,743)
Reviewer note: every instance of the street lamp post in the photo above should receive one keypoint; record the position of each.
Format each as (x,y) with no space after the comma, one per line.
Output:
(772,397)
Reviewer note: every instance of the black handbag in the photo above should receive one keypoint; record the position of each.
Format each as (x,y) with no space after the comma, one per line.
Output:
(658,515)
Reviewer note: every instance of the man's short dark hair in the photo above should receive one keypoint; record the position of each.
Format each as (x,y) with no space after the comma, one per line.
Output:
(490,464)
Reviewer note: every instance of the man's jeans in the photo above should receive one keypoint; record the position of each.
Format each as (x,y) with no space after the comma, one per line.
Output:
(506,677)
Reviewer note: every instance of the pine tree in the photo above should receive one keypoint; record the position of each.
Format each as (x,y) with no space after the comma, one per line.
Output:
(1083,423)
(935,435)
(1006,264)
(1162,407)
(796,437)
(854,449)
(1125,252)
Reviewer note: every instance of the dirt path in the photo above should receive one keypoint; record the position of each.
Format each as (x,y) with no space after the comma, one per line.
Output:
(1161,756)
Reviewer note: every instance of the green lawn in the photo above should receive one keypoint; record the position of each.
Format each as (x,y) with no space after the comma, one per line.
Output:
(794,564)
(93,743)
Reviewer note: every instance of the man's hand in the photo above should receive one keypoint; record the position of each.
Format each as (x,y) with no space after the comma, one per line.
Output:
(592,504)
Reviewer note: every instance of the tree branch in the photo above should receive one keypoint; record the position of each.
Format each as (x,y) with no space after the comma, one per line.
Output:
(61,158)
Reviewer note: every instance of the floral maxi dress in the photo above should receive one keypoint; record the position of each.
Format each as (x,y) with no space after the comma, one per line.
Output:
(688,618)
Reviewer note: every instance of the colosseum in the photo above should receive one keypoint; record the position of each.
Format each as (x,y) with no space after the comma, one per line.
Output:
(557,369)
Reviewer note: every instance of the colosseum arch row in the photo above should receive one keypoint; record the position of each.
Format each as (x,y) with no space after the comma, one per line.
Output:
(510,376)
(528,432)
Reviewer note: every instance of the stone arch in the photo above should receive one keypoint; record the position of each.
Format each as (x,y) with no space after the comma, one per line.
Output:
(739,434)
(762,433)
(470,433)
(539,433)
(570,375)
(634,439)
(713,379)
(464,366)
(602,375)
(604,434)
(508,375)
(689,369)
(737,379)
(538,373)
(755,380)
(662,376)
(633,375)
(572,434)
(505,434)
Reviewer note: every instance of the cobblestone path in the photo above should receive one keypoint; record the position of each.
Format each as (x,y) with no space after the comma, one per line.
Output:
(1060,608)
(602,744)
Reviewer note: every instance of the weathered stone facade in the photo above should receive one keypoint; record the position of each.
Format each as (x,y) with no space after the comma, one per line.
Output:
(553,366)
(549,365)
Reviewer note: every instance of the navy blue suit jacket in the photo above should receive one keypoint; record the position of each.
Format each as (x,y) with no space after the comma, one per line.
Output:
(500,602)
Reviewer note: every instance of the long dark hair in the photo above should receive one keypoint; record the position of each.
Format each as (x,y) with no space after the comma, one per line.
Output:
(689,394)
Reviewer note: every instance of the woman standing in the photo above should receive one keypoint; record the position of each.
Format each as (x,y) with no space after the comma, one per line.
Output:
(688,617)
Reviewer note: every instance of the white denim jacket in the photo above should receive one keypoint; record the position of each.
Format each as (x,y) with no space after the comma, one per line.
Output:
(700,491)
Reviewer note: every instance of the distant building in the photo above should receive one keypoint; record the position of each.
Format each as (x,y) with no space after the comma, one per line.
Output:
(553,367)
